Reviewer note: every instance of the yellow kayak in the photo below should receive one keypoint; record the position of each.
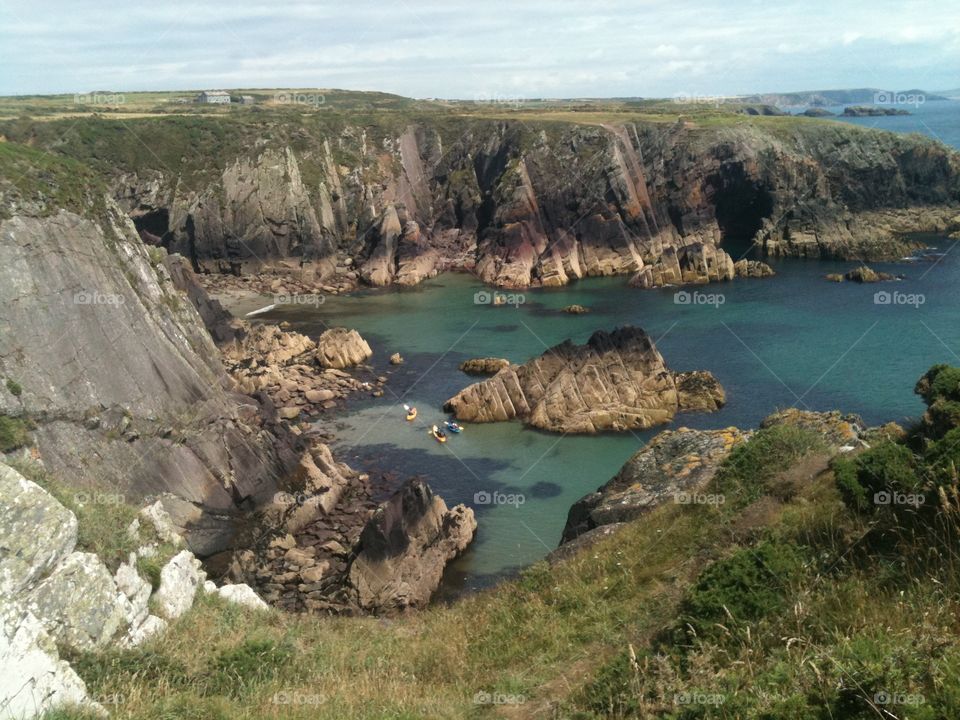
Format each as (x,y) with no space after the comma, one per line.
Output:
(438,434)
(411,413)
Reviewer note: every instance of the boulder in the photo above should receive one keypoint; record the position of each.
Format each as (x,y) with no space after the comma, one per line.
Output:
(404,548)
(179,580)
(151,626)
(697,264)
(339,348)
(576,310)
(396,359)
(242,594)
(80,605)
(36,532)
(33,678)
(615,382)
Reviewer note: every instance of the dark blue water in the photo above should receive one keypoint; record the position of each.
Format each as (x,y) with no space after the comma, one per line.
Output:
(939,120)
(795,340)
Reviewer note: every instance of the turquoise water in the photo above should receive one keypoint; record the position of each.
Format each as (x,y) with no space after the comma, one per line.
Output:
(792,341)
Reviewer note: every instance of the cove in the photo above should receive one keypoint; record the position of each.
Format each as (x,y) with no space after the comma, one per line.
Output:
(795,340)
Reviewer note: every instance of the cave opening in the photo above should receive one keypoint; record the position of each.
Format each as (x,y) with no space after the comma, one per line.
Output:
(154,227)
(742,204)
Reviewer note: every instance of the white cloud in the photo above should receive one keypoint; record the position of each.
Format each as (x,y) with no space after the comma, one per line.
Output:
(458,47)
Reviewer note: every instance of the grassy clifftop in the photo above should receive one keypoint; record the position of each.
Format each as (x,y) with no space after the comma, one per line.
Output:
(807,594)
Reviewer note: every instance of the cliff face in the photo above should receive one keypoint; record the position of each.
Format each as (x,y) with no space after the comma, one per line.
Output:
(116,370)
(534,202)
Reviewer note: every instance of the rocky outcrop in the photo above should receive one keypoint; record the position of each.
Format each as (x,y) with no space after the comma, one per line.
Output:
(53,596)
(289,372)
(863,274)
(341,348)
(616,381)
(690,265)
(677,466)
(752,269)
(405,547)
(699,391)
(576,310)
(673,467)
(483,366)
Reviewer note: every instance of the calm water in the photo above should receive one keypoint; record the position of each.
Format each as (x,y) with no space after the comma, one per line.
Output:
(939,120)
(794,340)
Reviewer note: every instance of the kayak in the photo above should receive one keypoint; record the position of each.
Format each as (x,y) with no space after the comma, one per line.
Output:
(438,434)
(411,412)
(453,427)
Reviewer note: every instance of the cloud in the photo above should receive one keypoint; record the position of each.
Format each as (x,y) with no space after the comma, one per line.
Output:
(429,48)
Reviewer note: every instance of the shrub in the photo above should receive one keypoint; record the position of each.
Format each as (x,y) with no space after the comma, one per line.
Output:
(14,433)
(939,382)
(14,387)
(751,584)
(888,467)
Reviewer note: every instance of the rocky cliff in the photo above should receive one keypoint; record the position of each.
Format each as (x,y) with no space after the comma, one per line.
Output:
(616,381)
(115,370)
(537,202)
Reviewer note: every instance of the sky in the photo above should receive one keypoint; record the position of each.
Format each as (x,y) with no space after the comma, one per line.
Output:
(484,49)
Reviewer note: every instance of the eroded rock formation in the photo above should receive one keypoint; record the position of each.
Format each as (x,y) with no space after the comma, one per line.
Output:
(616,381)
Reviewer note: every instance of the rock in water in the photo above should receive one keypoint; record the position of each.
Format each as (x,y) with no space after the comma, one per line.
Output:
(339,348)
(863,274)
(700,391)
(617,381)
(576,309)
(752,269)
(405,546)
(483,366)
(396,359)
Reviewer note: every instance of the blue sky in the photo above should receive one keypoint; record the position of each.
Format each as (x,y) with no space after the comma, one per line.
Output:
(481,49)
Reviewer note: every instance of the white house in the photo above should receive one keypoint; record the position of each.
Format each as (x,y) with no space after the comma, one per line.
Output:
(214,97)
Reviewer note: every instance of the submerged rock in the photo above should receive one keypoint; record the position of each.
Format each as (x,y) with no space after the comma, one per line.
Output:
(576,309)
(616,381)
